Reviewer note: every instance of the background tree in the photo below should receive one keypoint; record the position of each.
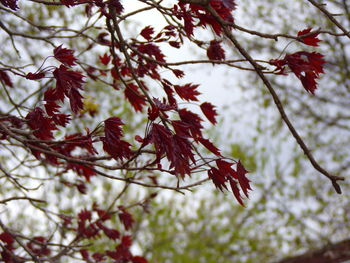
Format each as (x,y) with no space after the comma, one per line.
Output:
(52,149)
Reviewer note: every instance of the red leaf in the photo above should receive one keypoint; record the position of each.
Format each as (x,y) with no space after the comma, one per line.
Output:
(311,39)
(178,73)
(118,149)
(147,32)
(193,120)
(98,257)
(210,146)
(112,234)
(139,259)
(10,4)
(305,65)
(85,254)
(218,179)
(136,99)
(61,119)
(82,170)
(151,50)
(64,55)
(177,149)
(35,76)
(226,169)
(68,84)
(209,111)
(126,242)
(105,59)
(75,99)
(7,238)
(68,3)
(51,106)
(84,215)
(81,187)
(169,92)
(187,92)
(38,246)
(5,78)
(113,130)
(78,141)
(112,143)
(223,8)
(161,138)
(118,6)
(242,179)
(215,51)
(181,128)
(236,192)
(41,125)
(180,155)
(126,218)
(174,44)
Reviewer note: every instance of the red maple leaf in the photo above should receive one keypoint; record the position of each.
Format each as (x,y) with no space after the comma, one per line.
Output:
(181,128)
(105,59)
(174,44)
(38,246)
(68,3)
(136,99)
(218,179)
(236,192)
(215,51)
(242,179)
(169,92)
(187,92)
(147,32)
(209,111)
(210,146)
(180,155)
(193,121)
(41,125)
(113,130)
(112,143)
(35,76)
(51,106)
(151,50)
(310,39)
(126,218)
(82,170)
(68,83)
(112,234)
(138,259)
(7,238)
(10,4)
(5,78)
(178,73)
(84,215)
(305,65)
(64,55)
(77,140)
(117,5)
(223,8)
(61,119)
(177,149)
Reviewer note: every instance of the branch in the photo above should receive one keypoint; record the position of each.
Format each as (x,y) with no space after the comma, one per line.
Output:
(277,101)
(333,253)
(330,17)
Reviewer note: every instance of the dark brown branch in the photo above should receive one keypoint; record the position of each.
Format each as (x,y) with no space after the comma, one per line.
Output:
(333,253)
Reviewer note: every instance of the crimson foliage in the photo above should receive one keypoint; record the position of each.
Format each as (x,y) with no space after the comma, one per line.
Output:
(173,138)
